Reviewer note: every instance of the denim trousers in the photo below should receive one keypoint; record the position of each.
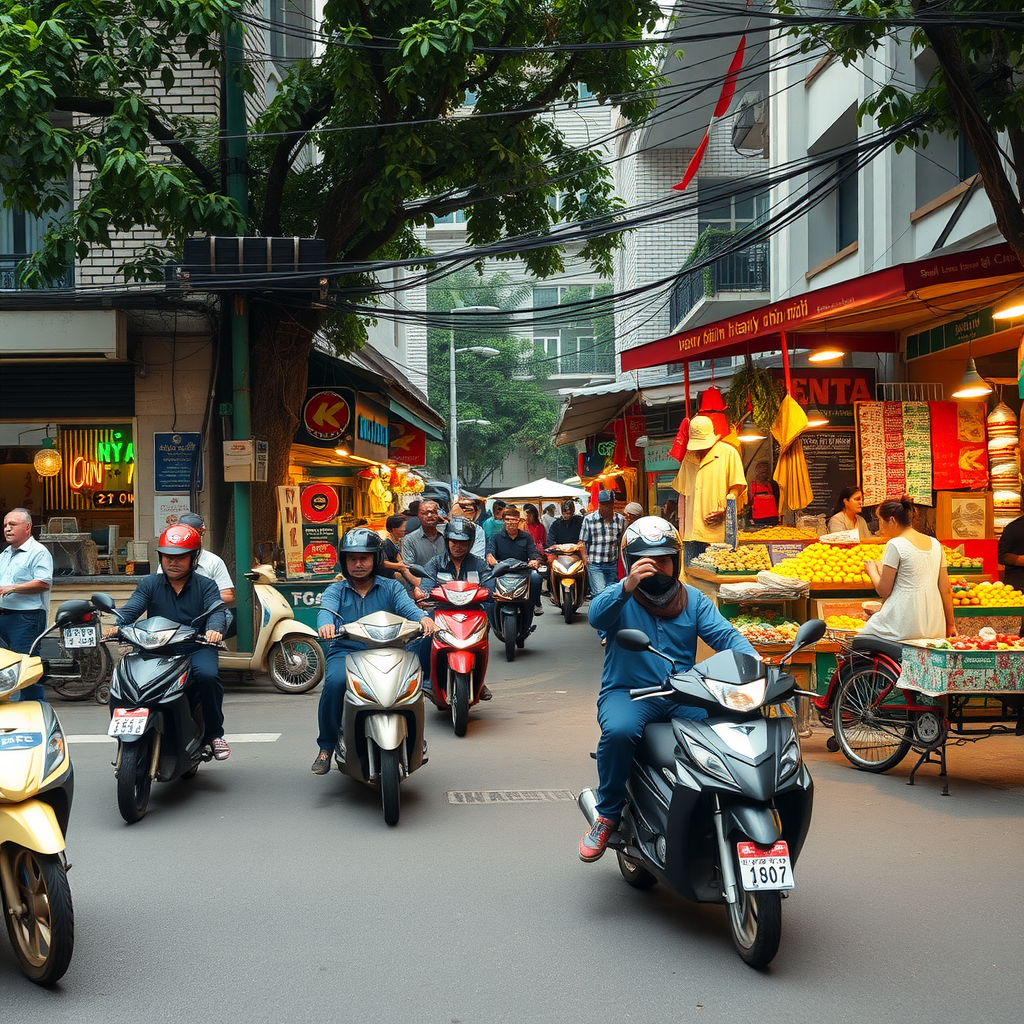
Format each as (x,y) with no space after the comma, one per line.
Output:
(206,672)
(622,722)
(18,630)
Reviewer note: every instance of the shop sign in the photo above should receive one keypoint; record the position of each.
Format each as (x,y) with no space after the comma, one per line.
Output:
(319,503)
(960,332)
(174,454)
(291,529)
(326,420)
(832,391)
(370,440)
(406,444)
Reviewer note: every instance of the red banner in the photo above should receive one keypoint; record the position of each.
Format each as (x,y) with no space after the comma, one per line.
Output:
(959,451)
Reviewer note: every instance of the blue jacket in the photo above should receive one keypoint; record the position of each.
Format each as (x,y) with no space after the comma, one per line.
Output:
(155,596)
(383,596)
(613,609)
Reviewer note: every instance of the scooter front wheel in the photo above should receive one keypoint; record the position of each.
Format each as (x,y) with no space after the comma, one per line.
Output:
(38,911)
(458,698)
(296,664)
(133,779)
(755,920)
(389,786)
(510,639)
(568,608)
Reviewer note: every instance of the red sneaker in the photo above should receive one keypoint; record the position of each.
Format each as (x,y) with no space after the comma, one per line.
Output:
(593,843)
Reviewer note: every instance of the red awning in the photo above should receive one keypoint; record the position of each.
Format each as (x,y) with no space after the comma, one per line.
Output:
(865,314)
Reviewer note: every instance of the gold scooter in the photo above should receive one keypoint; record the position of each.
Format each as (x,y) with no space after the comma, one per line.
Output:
(36,786)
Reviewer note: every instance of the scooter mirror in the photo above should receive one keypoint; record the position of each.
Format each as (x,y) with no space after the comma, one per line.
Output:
(809,633)
(209,611)
(104,602)
(416,570)
(633,639)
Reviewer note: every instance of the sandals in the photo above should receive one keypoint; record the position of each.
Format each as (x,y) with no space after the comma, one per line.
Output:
(322,764)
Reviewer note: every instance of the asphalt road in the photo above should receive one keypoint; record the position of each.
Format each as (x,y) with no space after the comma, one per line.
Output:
(260,893)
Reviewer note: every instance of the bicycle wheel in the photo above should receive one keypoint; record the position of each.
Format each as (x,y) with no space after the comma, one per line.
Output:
(873,737)
(94,666)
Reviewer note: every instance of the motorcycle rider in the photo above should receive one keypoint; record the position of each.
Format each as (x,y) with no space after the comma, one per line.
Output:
(182,594)
(511,542)
(360,593)
(674,616)
(459,563)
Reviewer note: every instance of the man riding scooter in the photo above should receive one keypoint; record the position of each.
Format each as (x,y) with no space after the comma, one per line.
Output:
(457,563)
(361,592)
(181,594)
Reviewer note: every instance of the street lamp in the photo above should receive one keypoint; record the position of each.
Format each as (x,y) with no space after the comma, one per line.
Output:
(481,350)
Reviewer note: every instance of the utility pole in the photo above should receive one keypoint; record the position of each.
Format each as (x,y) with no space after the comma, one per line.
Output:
(238,189)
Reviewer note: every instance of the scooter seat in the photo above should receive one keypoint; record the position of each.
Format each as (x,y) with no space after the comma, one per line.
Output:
(657,746)
(875,644)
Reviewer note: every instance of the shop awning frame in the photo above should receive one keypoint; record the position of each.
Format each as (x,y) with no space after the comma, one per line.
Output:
(867,313)
(589,410)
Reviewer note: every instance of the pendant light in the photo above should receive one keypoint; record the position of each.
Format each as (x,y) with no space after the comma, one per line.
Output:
(828,354)
(1012,307)
(47,461)
(973,385)
(815,417)
(748,431)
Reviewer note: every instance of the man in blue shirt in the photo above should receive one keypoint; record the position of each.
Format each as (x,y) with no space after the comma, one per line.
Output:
(181,594)
(360,593)
(674,616)
(26,574)
(513,542)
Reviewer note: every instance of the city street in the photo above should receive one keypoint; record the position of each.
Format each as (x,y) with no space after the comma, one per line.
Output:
(258,892)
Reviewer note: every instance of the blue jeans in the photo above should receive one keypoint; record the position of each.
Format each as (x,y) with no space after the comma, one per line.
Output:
(601,575)
(211,690)
(622,724)
(18,630)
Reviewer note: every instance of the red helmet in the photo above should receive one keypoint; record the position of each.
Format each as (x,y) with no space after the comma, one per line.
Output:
(181,540)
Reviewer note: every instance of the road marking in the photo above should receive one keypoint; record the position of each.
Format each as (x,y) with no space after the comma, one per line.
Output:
(507,796)
(239,737)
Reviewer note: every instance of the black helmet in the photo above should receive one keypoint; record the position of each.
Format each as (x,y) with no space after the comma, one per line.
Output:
(360,541)
(459,529)
(651,536)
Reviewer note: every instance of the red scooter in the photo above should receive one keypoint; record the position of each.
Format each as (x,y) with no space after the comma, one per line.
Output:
(458,651)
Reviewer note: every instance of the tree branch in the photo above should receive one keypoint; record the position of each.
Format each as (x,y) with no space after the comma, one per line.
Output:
(160,133)
(284,157)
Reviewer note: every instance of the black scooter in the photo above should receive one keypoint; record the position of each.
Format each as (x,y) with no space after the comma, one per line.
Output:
(511,614)
(718,809)
(156,713)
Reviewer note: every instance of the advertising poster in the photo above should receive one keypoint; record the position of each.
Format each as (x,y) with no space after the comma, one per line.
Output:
(174,456)
(167,508)
(291,530)
(319,506)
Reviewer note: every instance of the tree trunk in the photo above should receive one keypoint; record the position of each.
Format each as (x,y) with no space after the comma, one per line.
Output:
(280,345)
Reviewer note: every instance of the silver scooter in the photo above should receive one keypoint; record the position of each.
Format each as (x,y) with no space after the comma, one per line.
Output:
(381,740)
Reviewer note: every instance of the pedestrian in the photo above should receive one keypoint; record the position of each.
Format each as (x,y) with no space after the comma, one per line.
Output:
(534,527)
(26,576)
(601,536)
(468,508)
(549,516)
(493,525)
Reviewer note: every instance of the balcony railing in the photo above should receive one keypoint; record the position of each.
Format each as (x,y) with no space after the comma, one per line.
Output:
(10,275)
(746,270)
(585,362)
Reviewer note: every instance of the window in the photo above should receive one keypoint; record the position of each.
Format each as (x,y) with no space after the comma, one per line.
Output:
(580,342)
(21,235)
(847,203)
(457,217)
(967,165)
(724,204)
(291,29)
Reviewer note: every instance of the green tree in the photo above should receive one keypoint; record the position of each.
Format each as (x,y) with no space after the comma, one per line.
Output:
(977,89)
(379,105)
(506,390)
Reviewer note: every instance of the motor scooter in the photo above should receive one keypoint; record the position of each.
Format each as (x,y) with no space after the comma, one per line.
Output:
(77,664)
(156,712)
(36,787)
(567,578)
(511,615)
(458,650)
(718,809)
(289,651)
(381,740)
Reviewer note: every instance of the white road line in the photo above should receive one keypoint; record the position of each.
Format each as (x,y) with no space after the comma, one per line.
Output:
(240,737)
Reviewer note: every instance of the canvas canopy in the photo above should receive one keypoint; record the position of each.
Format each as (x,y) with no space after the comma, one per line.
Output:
(542,490)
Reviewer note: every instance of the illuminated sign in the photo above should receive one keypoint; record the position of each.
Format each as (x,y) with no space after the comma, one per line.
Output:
(371,430)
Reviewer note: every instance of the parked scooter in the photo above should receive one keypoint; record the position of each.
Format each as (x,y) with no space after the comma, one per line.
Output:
(77,664)
(718,809)
(567,579)
(36,787)
(381,740)
(458,651)
(511,615)
(289,651)
(156,713)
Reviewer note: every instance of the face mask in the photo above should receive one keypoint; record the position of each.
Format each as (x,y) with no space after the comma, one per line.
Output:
(656,585)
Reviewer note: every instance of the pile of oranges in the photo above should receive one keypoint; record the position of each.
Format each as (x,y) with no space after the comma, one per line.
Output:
(777,533)
(843,622)
(984,595)
(826,563)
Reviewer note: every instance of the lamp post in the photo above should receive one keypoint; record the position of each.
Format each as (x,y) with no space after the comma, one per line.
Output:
(453,430)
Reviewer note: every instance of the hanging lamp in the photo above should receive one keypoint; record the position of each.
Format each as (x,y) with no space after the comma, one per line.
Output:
(973,384)
(748,431)
(815,417)
(47,461)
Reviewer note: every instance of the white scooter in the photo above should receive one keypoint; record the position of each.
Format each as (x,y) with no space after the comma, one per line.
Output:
(289,651)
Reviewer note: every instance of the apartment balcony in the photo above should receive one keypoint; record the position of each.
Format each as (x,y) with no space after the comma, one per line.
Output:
(10,275)
(723,288)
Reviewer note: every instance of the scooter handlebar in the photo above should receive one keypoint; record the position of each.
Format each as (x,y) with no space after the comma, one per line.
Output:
(649,691)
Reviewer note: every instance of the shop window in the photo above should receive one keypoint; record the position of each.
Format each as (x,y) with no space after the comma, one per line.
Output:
(291,30)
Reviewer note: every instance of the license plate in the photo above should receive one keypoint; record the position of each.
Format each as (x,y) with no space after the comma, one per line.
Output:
(128,722)
(79,636)
(765,867)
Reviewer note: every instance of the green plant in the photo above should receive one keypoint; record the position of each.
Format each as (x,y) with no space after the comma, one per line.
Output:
(765,393)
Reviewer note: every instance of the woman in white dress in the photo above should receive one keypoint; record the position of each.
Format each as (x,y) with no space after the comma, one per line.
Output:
(911,579)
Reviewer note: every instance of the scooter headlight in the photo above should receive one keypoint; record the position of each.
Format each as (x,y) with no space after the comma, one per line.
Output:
(9,678)
(790,760)
(56,747)
(709,762)
(743,697)
(149,640)
(361,689)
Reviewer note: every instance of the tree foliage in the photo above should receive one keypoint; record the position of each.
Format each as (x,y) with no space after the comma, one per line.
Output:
(380,104)
(506,390)
(977,89)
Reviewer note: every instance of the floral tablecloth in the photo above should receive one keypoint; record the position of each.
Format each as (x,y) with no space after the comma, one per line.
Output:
(936,672)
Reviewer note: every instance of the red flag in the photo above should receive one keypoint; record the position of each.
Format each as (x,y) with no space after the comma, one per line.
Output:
(721,109)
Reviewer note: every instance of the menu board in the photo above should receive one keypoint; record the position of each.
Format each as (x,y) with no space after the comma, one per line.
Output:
(831,464)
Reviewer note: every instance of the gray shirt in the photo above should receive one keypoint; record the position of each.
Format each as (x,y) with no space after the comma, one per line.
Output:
(418,550)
